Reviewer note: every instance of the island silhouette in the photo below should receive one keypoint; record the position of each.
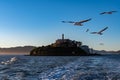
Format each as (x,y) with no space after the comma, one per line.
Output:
(62,47)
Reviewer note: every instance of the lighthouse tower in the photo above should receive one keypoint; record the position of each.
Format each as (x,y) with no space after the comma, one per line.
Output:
(62,36)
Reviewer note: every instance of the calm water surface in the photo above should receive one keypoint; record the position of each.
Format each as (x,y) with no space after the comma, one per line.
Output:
(60,68)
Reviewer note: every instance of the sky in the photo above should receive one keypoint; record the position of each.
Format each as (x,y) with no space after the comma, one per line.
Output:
(38,22)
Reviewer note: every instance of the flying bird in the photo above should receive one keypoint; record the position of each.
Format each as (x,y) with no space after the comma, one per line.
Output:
(87,30)
(109,12)
(100,32)
(77,23)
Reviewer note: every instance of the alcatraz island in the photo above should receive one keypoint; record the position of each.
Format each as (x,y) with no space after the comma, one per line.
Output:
(63,47)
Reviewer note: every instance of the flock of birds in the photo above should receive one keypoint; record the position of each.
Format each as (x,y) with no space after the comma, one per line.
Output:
(80,23)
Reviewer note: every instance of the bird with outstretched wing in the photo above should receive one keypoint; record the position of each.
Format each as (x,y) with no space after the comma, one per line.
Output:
(77,23)
(109,12)
(100,32)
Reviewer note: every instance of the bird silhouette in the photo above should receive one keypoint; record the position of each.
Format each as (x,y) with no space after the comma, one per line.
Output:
(77,23)
(100,32)
(109,12)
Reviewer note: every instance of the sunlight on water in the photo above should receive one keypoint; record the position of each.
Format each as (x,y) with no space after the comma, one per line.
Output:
(60,68)
(13,59)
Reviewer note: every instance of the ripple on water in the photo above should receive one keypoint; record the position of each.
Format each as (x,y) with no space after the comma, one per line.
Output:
(60,68)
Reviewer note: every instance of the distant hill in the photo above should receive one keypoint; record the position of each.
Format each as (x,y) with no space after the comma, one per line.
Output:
(109,52)
(16,50)
(118,51)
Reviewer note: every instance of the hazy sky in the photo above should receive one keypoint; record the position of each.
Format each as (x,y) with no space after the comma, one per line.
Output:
(38,22)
